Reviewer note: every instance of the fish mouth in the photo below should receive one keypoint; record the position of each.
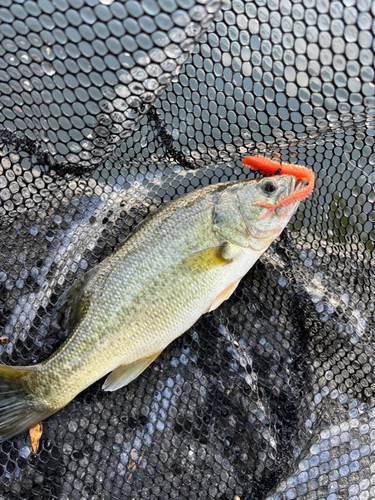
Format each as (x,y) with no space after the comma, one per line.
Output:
(296,185)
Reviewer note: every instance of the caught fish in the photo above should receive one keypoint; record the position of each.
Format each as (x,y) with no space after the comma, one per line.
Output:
(180,263)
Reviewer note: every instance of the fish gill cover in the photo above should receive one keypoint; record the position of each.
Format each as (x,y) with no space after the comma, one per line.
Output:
(109,109)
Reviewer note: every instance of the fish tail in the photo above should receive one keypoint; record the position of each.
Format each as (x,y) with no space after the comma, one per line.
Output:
(19,409)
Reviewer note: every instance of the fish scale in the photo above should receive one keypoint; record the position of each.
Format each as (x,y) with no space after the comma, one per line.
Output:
(181,262)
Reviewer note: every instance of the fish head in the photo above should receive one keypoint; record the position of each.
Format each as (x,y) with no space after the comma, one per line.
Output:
(268,190)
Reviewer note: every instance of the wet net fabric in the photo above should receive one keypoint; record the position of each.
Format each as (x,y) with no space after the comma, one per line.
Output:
(109,109)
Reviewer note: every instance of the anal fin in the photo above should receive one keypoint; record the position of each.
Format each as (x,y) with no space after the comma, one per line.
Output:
(123,375)
(223,295)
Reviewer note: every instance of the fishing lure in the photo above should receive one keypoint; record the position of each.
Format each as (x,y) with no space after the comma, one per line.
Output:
(270,167)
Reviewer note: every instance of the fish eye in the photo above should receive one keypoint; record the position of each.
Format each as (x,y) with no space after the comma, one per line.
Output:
(269,187)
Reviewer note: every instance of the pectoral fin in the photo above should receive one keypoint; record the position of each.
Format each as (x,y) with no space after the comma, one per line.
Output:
(224,295)
(123,375)
(207,259)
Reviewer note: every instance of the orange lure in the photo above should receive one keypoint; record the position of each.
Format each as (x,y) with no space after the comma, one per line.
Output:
(269,167)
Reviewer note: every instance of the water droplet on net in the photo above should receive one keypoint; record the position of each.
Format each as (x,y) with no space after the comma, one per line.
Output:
(173,50)
(122,91)
(154,70)
(151,84)
(136,88)
(48,68)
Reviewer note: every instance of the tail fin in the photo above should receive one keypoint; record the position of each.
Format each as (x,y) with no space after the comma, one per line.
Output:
(19,409)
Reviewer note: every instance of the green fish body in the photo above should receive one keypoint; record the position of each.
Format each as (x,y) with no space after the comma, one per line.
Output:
(181,262)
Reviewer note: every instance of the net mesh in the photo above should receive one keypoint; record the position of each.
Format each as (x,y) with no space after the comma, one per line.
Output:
(109,109)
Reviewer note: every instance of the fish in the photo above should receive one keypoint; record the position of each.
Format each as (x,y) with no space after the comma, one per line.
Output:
(181,262)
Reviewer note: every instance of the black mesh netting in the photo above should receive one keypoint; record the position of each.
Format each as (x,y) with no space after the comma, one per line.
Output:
(109,109)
